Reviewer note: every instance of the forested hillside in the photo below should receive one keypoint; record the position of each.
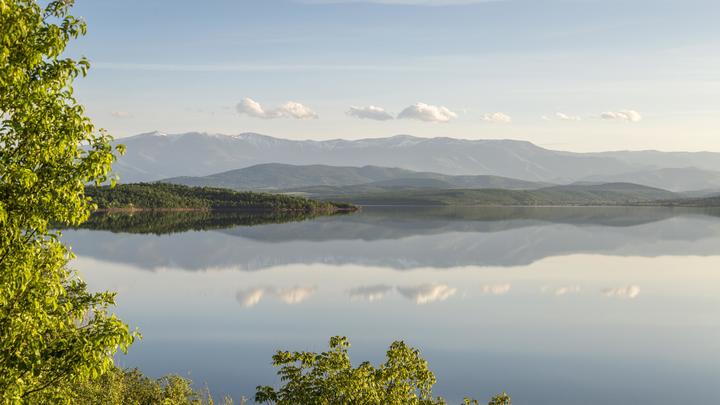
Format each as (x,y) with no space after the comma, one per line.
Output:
(602,194)
(176,197)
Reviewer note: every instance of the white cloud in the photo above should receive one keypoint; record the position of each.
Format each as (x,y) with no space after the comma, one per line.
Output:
(427,293)
(252,108)
(630,292)
(558,116)
(623,115)
(370,112)
(120,114)
(496,289)
(370,293)
(561,117)
(291,109)
(296,110)
(565,117)
(428,113)
(496,118)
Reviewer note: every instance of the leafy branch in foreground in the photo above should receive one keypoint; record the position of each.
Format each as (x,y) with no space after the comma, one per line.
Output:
(131,387)
(329,378)
(309,379)
(54,333)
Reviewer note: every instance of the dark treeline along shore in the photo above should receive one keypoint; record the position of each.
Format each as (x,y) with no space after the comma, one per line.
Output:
(324,200)
(160,222)
(171,197)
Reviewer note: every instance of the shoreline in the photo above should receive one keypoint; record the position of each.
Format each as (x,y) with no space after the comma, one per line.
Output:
(210,209)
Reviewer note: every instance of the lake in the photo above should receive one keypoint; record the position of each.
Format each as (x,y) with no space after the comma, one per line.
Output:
(553,305)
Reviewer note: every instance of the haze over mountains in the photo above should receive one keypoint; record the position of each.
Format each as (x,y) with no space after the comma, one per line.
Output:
(156,156)
(278,176)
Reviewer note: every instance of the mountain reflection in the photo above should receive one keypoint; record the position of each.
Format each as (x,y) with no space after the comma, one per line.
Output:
(406,238)
(167,222)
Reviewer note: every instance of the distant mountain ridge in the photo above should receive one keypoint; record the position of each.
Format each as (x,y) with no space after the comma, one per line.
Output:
(574,194)
(278,176)
(674,179)
(155,156)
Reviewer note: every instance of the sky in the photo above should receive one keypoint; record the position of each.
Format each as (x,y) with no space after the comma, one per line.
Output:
(578,75)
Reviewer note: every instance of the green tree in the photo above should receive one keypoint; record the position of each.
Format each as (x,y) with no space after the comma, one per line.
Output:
(131,387)
(329,378)
(53,332)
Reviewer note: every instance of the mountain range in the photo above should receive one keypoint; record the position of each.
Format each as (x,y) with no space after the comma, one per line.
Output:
(277,176)
(574,194)
(156,156)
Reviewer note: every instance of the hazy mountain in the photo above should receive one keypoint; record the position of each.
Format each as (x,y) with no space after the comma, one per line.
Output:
(156,156)
(674,179)
(276,176)
(576,194)
(656,159)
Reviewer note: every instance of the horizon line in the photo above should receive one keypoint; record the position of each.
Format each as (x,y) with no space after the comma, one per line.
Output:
(162,133)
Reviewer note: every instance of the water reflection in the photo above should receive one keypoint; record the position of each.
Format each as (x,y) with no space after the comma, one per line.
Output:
(577,306)
(496,289)
(407,239)
(294,295)
(630,292)
(370,293)
(564,290)
(427,293)
(169,222)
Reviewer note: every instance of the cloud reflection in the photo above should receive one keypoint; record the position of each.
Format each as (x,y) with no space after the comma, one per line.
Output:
(629,292)
(564,290)
(369,293)
(496,289)
(427,293)
(252,296)
(295,295)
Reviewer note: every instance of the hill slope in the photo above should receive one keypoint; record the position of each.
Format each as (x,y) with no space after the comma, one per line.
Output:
(673,179)
(157,196)
(156,156)
(276,176)
(604,194)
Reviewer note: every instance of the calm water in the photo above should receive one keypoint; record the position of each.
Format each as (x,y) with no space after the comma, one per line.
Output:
(553,305)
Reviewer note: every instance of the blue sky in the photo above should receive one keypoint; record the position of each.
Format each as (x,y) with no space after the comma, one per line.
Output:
(580,75)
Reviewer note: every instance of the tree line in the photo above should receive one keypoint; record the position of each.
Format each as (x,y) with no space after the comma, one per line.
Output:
(175,196)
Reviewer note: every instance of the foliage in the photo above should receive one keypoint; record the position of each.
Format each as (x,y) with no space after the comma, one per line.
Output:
(173,196)
(574,195)
(703,202)
(131,387)
(329,378)
(165,222)
(352,180)
(53,332)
